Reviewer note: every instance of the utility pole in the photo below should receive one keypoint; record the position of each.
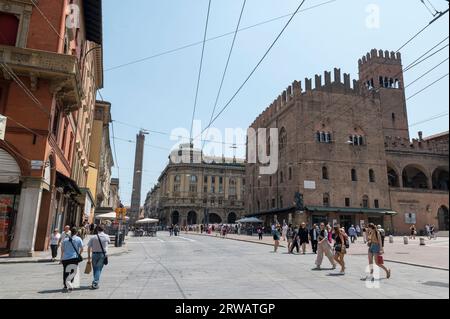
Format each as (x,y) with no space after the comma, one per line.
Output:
(137,177)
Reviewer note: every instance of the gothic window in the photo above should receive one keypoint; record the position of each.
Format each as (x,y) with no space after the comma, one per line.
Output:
(354,176)
(283,138)
(324,172)
(365,201)
(326,200)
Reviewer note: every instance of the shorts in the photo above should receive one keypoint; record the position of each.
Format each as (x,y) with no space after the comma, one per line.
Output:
(276,237)
(374,249)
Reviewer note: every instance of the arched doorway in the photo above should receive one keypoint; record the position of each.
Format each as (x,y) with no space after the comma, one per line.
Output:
(175,218)
(214,219)
(192,218)
(9,198)
(414,177)
(443,218)
(440,179)
(232,218)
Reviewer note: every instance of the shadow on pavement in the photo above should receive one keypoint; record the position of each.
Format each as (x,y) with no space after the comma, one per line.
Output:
(60,291)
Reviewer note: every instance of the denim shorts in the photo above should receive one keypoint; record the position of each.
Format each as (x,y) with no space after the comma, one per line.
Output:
(374,248)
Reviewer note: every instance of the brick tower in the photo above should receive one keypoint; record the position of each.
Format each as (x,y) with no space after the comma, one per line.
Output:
(382,71)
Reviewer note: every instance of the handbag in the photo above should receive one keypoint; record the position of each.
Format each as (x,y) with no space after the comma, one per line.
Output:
(380,260)
(80,258)
(105,260)
(88,268)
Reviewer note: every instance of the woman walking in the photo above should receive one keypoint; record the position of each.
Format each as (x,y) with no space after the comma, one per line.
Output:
(289,237)
(323,248)
(413,232)
(71,250)
(276,237)
(376,250)
(54,243)
(339,247)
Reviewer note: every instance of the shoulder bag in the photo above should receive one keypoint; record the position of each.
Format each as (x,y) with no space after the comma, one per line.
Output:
(80,258)
(105,260)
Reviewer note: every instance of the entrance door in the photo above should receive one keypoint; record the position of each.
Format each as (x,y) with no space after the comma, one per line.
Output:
(346,221)
(318,219)
(9,205)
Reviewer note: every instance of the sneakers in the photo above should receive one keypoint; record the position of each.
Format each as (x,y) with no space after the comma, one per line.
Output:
(317,268)
(95,285)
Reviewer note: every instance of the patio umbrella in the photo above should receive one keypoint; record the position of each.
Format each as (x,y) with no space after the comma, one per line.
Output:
(111,215)
(147,221)
(250,220)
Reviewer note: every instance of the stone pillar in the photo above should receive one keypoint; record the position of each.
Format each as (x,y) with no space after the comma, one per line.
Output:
(27,218)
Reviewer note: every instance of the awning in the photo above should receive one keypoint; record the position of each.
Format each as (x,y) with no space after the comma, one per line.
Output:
(290,209)
(111,215)
(147,221)
(69,185)
(252,220)
(351,210)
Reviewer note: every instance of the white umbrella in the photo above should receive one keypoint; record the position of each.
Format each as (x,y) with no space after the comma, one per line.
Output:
(147,221)
(250,220)
(111,215)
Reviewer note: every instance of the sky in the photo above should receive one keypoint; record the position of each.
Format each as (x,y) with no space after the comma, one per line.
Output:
(158,93)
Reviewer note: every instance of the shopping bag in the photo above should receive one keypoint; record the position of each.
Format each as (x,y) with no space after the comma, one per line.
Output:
(380,260)
(88,268)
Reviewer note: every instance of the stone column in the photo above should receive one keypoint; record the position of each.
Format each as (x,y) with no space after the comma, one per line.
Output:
(27,218)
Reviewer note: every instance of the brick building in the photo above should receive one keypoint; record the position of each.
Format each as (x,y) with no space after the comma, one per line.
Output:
(347,150)
(203,190)
(51,68)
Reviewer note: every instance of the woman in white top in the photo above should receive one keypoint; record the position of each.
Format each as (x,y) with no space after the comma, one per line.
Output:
(54,243)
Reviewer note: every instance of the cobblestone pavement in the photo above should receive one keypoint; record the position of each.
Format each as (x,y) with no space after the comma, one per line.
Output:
(191,266)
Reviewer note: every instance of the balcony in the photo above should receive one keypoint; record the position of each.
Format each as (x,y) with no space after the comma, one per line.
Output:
(61,70)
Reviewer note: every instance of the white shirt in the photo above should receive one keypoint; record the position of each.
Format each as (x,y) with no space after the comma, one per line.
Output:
(95,245)
(54,239)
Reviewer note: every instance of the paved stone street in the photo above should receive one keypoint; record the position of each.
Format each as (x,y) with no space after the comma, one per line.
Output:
(191,266)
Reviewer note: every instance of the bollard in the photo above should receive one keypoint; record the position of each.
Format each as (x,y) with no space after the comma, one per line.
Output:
(391,239)
(422,241)
(405,240)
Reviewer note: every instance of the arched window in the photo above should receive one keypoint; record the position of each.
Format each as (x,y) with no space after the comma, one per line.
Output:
(354,176)
(365,201)
(193,183)
(283,138)
(443,218)
(326,200)
(324,172)
(371,176)
(440,179)
(393,179)
(414,177)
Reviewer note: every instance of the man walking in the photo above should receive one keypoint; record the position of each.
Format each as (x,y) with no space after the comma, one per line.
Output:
(352,233)
(71,250)
(314,235)
(98,248)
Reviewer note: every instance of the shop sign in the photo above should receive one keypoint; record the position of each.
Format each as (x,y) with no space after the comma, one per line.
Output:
(37,165)
(2,127)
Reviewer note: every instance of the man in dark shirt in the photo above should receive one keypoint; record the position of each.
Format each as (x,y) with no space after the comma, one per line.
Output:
(314,235)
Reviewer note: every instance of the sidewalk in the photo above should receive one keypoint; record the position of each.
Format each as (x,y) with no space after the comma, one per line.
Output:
(45,256)
(435,253)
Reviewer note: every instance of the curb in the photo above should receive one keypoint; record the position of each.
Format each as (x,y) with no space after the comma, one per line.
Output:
(48,260)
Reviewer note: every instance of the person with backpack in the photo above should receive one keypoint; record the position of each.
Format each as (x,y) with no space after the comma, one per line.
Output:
(340,247)
(71,250)
(376,250)
(98,248)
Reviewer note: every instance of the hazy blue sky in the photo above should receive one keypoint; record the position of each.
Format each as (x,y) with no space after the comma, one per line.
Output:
(159,93)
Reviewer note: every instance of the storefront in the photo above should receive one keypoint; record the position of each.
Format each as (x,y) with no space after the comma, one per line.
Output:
(9,198)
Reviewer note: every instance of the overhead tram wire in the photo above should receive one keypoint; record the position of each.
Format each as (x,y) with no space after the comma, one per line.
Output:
(414,64)
(213,38)
(433,68)
(435,117)
(226,67)
(200,68)
(428,86)
(256,67)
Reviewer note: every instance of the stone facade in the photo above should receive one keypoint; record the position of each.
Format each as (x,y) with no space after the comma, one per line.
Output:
(337,143)
(210,191)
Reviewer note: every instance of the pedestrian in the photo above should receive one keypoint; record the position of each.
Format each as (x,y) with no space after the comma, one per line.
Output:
(330,234)
(364,230)
(284,231)
(314,235)
(295,240)
(358,230)
(260,233)
(340,248)
(382,234)
(303,233)
(71,250)
(66,233)
(432,228)
(352,233)
(54,243)
(376,250)
(324,248)
(427,230)
(413,232)
(289,237)
(276,237)
(98,247)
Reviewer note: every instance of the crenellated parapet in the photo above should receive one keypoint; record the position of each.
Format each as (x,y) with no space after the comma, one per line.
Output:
(327,83)
(380,56)
(417,145)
